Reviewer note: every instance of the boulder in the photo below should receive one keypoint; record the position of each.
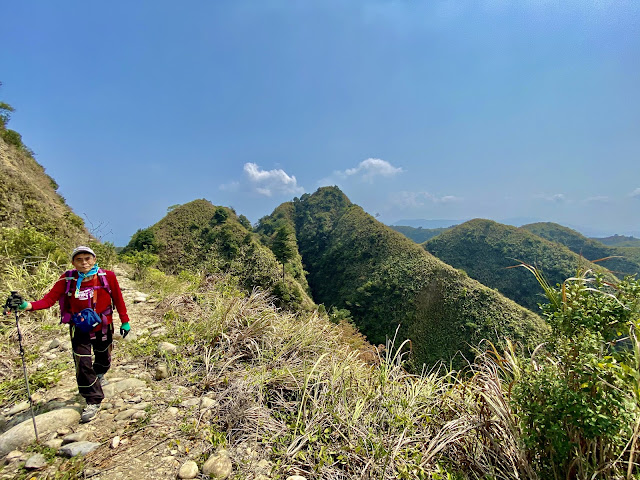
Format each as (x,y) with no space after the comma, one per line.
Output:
(47,423)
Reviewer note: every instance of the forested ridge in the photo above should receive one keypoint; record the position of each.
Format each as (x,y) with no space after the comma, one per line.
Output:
(387,282)
(488,250)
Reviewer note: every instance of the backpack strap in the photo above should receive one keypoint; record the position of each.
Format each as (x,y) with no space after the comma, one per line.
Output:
(104,281)
(63,301)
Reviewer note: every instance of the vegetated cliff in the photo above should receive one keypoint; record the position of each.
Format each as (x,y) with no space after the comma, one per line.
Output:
(387,281)
(486,249)
(623,263)
(28,198)
(200,236)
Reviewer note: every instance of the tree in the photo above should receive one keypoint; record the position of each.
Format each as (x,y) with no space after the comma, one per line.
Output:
(284,245)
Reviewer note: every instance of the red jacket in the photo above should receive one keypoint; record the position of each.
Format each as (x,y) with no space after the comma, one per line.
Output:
(78,304)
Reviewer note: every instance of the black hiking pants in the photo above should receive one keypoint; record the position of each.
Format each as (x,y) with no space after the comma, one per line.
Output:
(89,366)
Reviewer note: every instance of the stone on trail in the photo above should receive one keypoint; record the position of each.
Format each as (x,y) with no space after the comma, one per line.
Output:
(122,385)
(218,466)
(18,408)
(115,441)
(162,371)
(35,462)
(47,423)
(78,448)
(189,469)
(166,347)
(54,443)
(75,437)
(296,477)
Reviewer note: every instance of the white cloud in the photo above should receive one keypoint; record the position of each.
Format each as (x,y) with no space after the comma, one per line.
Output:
(418,199)
(555,198)
(269,182)
(635,193)
(369,168)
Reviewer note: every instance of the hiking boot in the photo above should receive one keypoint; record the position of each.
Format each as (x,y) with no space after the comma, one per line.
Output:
(103,381)
(90,412)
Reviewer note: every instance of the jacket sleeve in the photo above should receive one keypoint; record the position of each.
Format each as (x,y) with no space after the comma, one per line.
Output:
(52,297)
(116,296)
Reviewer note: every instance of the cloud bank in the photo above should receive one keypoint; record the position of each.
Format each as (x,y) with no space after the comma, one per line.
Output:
(270,182)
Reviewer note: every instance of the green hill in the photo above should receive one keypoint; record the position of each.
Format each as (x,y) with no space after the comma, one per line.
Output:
(200,236)
(587,247)
(619,241)
(385,280)
(418,235)
(486,249)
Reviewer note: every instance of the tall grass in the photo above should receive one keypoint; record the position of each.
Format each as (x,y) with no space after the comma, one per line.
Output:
(292,385)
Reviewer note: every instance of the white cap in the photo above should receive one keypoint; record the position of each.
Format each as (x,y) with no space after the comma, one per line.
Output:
(81,249)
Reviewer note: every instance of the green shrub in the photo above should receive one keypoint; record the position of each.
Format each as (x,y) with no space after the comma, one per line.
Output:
(12,138)
(141,262)
(578,398)
(105,253)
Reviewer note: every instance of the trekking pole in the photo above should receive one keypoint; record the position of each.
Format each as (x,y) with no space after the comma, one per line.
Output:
(11,305)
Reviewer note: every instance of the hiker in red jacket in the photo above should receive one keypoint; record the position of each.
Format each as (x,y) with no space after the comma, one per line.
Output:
(86,296)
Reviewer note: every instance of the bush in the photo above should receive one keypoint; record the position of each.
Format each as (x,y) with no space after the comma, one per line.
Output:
(141,262)
(12,137)
(578,398)
(105,253)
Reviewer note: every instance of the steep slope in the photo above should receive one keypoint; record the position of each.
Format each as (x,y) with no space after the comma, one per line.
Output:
(418,235)
(28,198)
(587,247)
(386,281)
(200,236)
(485,249)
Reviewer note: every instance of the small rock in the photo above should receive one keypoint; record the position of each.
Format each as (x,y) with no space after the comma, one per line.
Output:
(106,406)
(190,402)
(63,431)
(35,462)
(19,407)
(159,332)
(13,456)
(55,343)
(172,410)
(218,466)
(122,385)
(264,466)
(206,402)
(140,298)
(141,406)
(54,443)
(126,415)
(136,399)
(296,477)
(115,441)
(138,415)
(189,469)
(75,437)
(3,422)
(78,448)
(162,371)
(166,347)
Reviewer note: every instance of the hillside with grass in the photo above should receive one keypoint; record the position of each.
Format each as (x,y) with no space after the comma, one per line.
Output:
(31,206)
(620,264)
(387,282)
(201,237)
(418,235)
(619,241)
(487,250)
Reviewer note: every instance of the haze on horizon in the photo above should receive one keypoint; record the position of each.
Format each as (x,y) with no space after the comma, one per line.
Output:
(416,110)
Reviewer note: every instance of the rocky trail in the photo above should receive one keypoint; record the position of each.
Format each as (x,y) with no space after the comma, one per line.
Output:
(147,427)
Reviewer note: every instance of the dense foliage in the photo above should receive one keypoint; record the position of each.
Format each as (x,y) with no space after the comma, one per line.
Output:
(587,247)
(578,398)
(619,241)
(199,236)
(486,249)
(387,282)
(418,235)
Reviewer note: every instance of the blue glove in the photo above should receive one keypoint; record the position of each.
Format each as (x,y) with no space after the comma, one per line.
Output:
(124,329)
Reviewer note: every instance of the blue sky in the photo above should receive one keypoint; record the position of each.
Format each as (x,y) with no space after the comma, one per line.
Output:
(416,109)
